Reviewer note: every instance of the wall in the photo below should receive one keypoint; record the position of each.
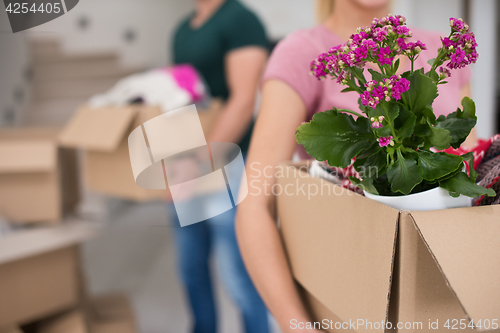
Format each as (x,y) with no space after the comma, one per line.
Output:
(14,73)
(96,25)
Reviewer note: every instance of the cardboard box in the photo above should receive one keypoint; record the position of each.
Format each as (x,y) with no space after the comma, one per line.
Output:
(38,180)
(103,134)
(360,261)
(12,329)
(111,314)
(103,314)
(40,272)
(73,321)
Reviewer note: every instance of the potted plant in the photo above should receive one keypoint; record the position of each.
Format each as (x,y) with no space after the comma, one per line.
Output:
(396,141)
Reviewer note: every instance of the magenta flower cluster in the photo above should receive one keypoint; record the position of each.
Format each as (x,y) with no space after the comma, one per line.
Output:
(378,91)
(386,141)
(460,46)
(379,43)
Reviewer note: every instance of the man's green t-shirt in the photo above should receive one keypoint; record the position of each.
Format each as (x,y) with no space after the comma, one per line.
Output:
(233,26)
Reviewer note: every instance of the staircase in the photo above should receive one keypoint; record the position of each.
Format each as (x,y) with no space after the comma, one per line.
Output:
(62,82)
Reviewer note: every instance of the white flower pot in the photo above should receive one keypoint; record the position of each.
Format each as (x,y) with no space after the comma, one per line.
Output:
(437,198)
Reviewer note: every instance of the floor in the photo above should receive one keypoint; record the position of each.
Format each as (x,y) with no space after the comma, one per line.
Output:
(135,255)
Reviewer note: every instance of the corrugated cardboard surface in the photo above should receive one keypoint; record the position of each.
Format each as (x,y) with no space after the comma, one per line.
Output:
(341,255)
(103,134)
(98,129)
(446,264)
(111,172)
(11,329)
(22,156)
(38,286)
(71,322)
(38,181)
(423,294)
(466,245)
(111,314)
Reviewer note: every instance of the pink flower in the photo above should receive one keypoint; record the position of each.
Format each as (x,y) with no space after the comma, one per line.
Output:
(380,34)
(458,25)
(385,141)
(400,87)
(383,55)
(343,77)
(368,100)
(444,73)
(458,59)
(377,121)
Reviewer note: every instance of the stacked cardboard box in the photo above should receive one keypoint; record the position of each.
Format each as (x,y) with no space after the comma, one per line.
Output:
(103,134)
(105,314)
(366,267)
(38,179)
(40,272)
(12,329)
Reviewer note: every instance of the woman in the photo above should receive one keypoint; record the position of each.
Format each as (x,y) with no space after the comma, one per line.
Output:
(227,44)
(291,96)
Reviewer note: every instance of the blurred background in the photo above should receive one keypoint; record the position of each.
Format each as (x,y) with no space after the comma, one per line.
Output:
(47,72)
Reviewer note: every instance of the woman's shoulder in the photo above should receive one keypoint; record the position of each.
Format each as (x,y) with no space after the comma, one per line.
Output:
(313,41)
(432,39)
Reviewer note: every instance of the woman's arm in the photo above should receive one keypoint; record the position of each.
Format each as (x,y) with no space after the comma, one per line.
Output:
(273,141)
(243,70)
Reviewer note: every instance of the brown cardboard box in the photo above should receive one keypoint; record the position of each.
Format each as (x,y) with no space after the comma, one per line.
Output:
(359,261)
(103,133)
(73,321)
(111,314)
(40,272)
(38,180)
(103,314)
(12,329)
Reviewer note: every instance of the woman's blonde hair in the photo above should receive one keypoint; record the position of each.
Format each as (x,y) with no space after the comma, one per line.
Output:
(323,10)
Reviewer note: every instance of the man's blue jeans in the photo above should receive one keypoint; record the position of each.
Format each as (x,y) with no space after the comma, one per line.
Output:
(195,243)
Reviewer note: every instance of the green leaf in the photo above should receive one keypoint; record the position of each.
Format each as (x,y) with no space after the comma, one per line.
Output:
(372,166)
(392,111)
(396,66)
(404,175)
(437,165)
(469,157)
(439,138)
(376,75)
(422,130)
(365,184)
(459,123)
(422,92)
(428,112)
(348,89)
(469,108)
(462,184)
(335,137)
(406,130)
(459,128)
(384,131)
(431,61)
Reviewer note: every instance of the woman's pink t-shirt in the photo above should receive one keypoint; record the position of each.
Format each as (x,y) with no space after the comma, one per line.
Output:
(290,63)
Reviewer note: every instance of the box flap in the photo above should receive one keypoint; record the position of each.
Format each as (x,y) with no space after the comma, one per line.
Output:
(465,243)
(27,156)
(100,129)
(341,254)
(29,133)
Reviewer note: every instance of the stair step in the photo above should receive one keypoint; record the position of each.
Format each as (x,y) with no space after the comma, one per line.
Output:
(52,112)
(84,69)
(45,47)
(71,88)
